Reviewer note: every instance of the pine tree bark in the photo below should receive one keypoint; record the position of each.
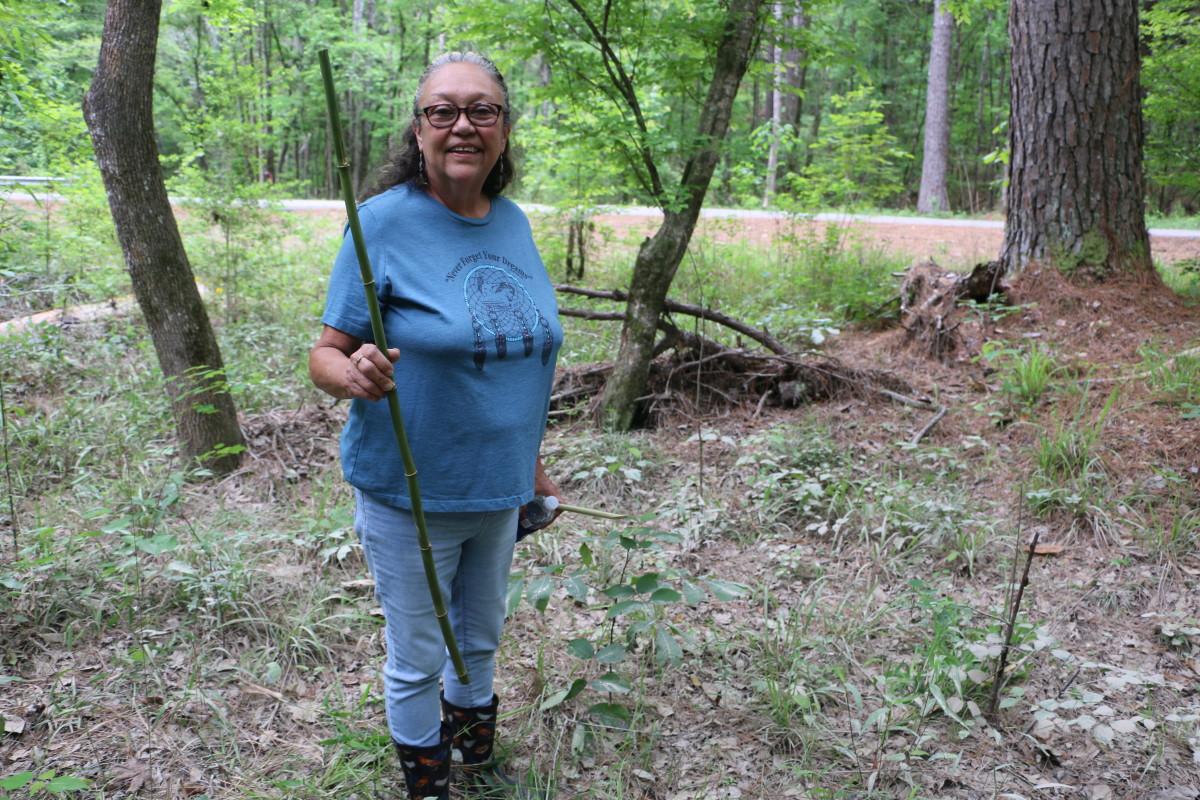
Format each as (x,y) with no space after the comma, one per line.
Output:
(119,115)
(1076,186)
(933,196)
(660,255)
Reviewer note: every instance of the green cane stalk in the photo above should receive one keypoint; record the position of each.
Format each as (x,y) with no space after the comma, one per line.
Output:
(410,470)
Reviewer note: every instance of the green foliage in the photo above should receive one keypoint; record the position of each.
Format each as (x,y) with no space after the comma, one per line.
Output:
(62,254)
(1069,472)
(235,92)
(617,574)
(1173,377)
(801,481)
(236,237)
(856,161)
(31,784)
(47,52)
(1171,77)
(621,87)
(1027,373)
(887,710)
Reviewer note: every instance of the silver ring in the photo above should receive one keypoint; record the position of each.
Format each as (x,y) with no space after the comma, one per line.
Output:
(358,358)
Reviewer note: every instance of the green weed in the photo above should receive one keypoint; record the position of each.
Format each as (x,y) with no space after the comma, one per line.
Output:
(1069,471)
(1027,373)
(1173,377)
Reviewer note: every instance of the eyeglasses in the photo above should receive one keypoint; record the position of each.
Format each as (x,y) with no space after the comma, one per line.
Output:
(444,115)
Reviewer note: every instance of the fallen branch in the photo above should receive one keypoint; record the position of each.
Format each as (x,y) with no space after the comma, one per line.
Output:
(928,426)
(672,306)
(579,313)
(899,398)
(722,375)
(65,316)
(1169,364)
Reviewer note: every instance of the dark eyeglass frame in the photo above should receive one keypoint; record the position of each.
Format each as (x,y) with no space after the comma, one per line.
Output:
(460,110)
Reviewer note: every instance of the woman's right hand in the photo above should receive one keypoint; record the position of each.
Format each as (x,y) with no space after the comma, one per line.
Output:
(369,375)
(345,367)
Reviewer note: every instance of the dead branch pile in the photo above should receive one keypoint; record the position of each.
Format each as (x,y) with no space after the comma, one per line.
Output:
(930,310)
(283,447)
(693,375)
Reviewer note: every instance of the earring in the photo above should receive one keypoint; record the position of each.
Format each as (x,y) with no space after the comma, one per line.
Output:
(500,180)
(421,167)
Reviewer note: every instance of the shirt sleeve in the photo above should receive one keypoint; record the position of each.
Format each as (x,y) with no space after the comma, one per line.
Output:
(345,302)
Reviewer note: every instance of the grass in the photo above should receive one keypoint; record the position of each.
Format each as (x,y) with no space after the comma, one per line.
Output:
(815,610)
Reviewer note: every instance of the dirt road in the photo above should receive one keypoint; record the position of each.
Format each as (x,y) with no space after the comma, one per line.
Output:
(953,243)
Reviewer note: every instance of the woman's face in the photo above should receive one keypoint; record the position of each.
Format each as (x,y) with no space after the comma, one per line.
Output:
(459,158)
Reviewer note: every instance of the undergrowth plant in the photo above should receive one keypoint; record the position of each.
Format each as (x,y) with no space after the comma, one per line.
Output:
(802,481)
(891,685)
(1068,463)
(1026,373)
(1173,377)
(624,573)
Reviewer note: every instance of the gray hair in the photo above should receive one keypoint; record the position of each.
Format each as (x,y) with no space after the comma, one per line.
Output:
(403,164)
(462,57)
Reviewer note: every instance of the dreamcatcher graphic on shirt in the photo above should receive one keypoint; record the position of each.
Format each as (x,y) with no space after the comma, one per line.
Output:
(502,310)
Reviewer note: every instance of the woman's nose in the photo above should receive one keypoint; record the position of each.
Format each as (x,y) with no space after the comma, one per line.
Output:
(463,124)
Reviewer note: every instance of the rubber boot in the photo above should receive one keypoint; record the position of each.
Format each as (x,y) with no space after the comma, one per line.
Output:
(427,769)
(473,739)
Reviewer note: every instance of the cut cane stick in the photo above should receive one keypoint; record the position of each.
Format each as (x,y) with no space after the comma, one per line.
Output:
(591,512)
(410,470)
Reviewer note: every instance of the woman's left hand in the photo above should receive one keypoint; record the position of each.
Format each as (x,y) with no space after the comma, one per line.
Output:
(543,486)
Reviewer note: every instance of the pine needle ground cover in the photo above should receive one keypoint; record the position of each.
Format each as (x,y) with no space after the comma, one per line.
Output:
(810,602)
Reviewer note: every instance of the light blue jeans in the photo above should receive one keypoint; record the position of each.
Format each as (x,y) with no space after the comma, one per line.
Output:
(473,555)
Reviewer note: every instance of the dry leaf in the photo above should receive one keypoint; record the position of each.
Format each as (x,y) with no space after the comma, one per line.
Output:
(14,725)
(1043,730)
(1125,725)
(132,772)
(304,712)
(1047,549)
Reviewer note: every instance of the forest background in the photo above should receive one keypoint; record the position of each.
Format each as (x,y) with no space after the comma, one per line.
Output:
(834,600)
(836,89)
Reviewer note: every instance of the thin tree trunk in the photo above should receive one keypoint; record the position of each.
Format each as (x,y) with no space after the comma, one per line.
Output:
(1076,189)
(118,112)
(796,71)
(933,196)
(660,255)
(777,75)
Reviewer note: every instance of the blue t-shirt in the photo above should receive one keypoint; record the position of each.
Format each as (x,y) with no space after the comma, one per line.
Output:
(470,306)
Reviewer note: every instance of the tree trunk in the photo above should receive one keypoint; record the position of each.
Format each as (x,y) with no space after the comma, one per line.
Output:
(1076,186)
(796,71)
(933,196)
(777,77)
(659,256)
(117,109)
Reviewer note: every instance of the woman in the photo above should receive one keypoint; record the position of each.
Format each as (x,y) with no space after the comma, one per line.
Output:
(467,300)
